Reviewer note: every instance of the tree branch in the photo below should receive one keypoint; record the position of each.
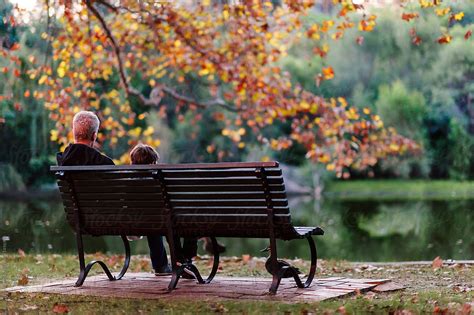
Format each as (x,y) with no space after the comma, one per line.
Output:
(156,99)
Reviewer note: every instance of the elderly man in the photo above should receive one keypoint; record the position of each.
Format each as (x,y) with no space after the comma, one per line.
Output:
(85,127)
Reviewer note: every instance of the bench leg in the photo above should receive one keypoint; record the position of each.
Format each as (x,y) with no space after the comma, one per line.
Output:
(178,270)
(277,276)
(215,265)
(85,269)
(314,261)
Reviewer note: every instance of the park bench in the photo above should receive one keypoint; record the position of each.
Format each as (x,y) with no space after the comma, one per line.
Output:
(183,200)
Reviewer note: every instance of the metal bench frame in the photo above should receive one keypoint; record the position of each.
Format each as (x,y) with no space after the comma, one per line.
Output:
(65,174)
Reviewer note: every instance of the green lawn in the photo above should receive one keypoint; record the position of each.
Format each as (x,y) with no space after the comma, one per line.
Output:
(396,189)
(427,290)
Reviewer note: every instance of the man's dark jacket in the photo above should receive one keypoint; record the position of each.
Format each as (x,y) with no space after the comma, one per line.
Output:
(81,154)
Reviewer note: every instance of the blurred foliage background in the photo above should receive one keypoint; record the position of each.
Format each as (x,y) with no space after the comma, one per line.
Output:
(425,92)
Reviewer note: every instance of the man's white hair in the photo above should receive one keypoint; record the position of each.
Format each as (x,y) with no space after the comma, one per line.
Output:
(84,125)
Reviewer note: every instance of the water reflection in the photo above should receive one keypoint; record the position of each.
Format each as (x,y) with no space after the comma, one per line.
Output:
(355,230)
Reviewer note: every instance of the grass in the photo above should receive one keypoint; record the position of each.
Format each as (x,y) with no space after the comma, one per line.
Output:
(396,189)
(447,289)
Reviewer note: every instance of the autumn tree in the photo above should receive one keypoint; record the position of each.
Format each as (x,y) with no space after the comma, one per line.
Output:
(233,51)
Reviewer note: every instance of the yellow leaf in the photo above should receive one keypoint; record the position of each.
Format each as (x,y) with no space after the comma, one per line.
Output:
(148,131)
(43,79)
(459,16)
(304,105)
(203,72)
(54,135)
(330,167)
(61,72)
(442,12)
(225,14)
(394,147)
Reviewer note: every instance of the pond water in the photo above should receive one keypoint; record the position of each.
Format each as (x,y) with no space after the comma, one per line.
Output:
(355,231)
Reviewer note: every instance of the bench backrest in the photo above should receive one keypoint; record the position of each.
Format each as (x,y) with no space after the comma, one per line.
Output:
(212,199)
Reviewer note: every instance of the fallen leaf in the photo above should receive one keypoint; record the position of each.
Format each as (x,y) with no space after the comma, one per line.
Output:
(60,309)
(23,279)
(246,258)
(342,310)
(439,310)
(437,263)
(21,253)
(467,308)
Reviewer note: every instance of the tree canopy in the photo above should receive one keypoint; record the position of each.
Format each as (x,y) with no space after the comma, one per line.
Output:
(133,56)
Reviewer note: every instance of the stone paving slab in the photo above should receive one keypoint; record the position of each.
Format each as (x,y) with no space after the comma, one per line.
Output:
(147,286)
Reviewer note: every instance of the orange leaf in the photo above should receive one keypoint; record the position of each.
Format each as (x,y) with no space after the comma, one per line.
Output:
(320,52)
(328,73)
(23,279)
(445,39)
(15,46)
(437,263)
(409,16)
(416,40)
(60,309)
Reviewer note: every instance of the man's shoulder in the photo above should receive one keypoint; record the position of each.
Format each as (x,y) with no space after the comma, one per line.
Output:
(80,154)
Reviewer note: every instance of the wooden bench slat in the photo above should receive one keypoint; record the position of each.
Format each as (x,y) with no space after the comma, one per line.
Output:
(116,203)
(222,181)
(216,232)
(220,188)
(163,166)
(114,196)
(173,189)
(237,227)
(217,173)
(225,203)
(171,174)
(235,195)
(112,175)
(112,189)
(182,210)
(119,196)
(181,196)
(111,182)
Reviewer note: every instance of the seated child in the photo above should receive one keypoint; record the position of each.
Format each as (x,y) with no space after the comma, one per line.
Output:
(144,154)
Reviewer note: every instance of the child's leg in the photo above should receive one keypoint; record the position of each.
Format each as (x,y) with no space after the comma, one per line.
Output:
(157,252)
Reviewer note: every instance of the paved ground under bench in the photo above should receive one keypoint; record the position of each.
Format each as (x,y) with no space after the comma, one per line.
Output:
(148,286)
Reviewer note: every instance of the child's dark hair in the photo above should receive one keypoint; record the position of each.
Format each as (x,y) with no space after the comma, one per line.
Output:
(144,154)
